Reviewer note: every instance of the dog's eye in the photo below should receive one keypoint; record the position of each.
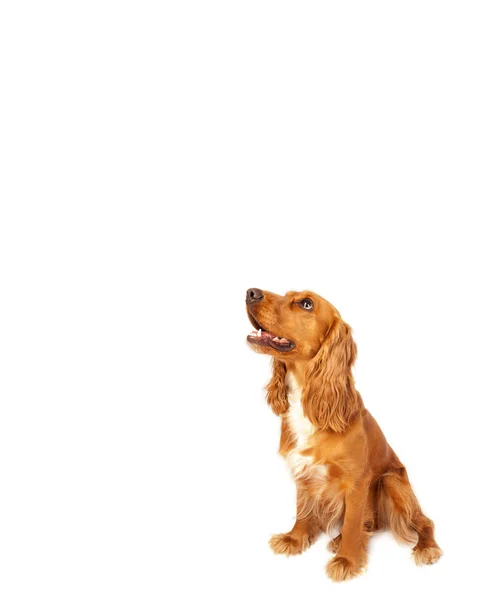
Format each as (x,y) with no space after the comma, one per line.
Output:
(307,304)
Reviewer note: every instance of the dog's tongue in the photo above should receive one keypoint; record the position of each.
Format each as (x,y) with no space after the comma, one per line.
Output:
(265,335)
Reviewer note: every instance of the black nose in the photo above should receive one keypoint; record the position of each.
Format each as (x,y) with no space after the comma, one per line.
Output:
(254,295)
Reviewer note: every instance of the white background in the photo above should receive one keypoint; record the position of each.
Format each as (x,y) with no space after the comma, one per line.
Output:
(159,158)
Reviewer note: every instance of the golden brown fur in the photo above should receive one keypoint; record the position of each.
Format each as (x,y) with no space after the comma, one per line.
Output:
(346,473)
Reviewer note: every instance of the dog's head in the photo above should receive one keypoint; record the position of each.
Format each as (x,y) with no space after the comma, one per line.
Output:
(303,327)
(290,327)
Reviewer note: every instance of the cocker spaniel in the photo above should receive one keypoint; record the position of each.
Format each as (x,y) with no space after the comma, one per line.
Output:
(346,474)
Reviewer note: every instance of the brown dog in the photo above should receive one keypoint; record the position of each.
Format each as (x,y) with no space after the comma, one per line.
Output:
(346,474)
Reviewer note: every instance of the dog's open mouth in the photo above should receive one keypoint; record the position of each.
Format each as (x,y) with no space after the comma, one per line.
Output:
(261,337)
(264,338)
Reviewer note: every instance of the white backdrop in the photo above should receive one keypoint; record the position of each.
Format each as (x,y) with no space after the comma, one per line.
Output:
(157,160)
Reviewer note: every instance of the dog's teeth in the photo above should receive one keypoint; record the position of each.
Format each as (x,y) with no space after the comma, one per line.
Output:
(259,333)
(283,341)
(276,339)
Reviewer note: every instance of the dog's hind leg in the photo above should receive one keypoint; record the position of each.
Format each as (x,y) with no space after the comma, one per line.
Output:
(399,509)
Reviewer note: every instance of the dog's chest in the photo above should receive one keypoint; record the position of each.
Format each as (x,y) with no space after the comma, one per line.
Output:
(299,458)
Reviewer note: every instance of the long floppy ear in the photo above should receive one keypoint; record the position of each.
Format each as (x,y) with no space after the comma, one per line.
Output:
(277,389)
(329,397)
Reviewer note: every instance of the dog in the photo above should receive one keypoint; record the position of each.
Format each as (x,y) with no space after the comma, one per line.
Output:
(346,474)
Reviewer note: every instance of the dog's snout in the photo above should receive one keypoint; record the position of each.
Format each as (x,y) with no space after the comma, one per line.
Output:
(254,295)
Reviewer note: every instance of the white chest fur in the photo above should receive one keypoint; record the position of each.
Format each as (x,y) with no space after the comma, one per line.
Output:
(300,463)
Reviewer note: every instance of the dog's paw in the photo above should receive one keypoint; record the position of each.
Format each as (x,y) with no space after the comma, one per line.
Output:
(334,544)
(284,543)
(426,556)
(341,568)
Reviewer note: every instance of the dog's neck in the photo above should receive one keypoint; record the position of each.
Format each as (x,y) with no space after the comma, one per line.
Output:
(298,370)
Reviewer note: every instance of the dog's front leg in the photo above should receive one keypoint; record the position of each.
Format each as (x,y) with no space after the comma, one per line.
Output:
(305,530)
(352,553)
